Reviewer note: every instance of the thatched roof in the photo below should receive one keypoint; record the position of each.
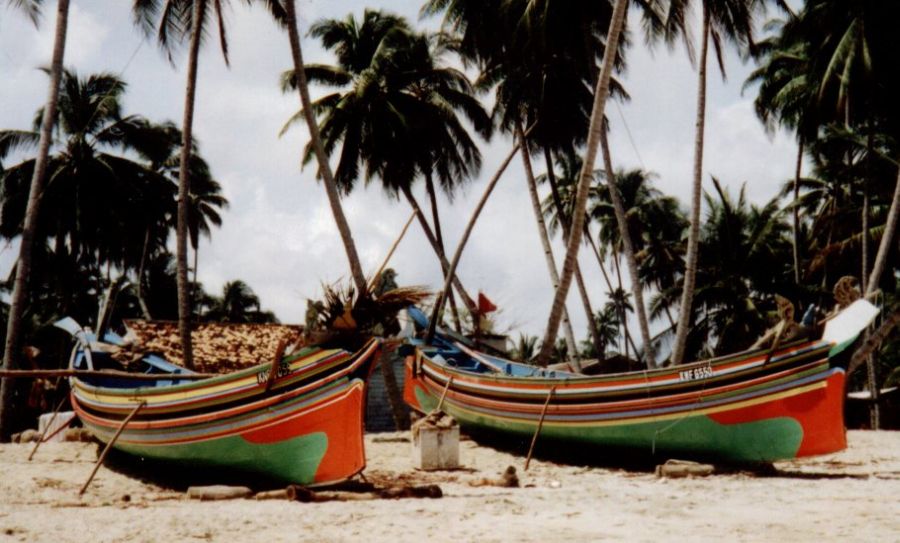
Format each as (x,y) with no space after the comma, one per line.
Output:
(218,347)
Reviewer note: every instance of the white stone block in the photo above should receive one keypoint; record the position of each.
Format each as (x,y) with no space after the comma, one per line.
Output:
(62,418)
(436,448)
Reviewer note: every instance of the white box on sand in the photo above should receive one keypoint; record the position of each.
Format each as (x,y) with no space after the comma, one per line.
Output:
(435,443)
(62,419)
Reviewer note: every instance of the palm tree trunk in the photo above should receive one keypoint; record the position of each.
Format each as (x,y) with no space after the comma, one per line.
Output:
(579,279)
(636,289)
(184,188)
(445,266)
(595,131)
(571,346)
(623,313)
(796,225)
(139,290)
(334,198)
(439,237)
(596,251)
(884,247)
(23,265)
(196,259)
(690,267)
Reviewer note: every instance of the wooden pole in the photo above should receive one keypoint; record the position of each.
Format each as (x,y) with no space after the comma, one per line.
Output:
(776,341)
(276,363)
(539,426)
(451,273)
(47,429)
(443,395)
(387,259)
(15,374)
(110,444)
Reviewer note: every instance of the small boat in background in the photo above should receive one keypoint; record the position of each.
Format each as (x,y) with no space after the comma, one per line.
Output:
(298,422)
(755,406)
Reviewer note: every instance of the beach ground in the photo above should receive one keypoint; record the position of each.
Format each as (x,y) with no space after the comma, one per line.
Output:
(853,495)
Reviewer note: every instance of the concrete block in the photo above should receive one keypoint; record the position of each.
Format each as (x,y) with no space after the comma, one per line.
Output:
(435,447)
(62,418)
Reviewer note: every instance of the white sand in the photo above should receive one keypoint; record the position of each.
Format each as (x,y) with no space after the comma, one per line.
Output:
(853,495)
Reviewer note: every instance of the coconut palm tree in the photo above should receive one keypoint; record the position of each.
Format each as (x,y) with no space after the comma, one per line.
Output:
(397,113)
(101,198)
(238,304)
(23,264)
(722,20)
(524,349)
(855,63)
(174,22)
(285,13)
(595,133)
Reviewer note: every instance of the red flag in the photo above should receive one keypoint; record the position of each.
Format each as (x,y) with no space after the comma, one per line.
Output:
(485,305)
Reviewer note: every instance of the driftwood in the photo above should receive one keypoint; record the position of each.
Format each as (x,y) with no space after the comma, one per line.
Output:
(280,494)
(218,492)
(507,479)
(677,469)
(305,495)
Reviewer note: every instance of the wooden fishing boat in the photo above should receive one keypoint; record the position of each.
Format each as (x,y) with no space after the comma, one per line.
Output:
(305,426)
(755,406)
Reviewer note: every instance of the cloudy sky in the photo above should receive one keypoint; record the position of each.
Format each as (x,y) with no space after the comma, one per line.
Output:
(278,234)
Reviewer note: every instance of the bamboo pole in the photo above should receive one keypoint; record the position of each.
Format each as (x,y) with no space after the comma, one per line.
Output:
(110,444)
(387,259)
(539,426)
(276,363)
(16,374)
(47,429)
(443,395)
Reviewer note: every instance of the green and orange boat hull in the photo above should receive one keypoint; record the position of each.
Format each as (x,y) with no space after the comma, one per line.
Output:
(755,406)
(306,428)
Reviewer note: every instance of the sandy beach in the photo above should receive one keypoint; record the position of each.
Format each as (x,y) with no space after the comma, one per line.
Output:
(853,495)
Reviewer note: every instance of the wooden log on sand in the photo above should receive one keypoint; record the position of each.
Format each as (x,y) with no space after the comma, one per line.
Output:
(305,495)
(218,492)
(677,469)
